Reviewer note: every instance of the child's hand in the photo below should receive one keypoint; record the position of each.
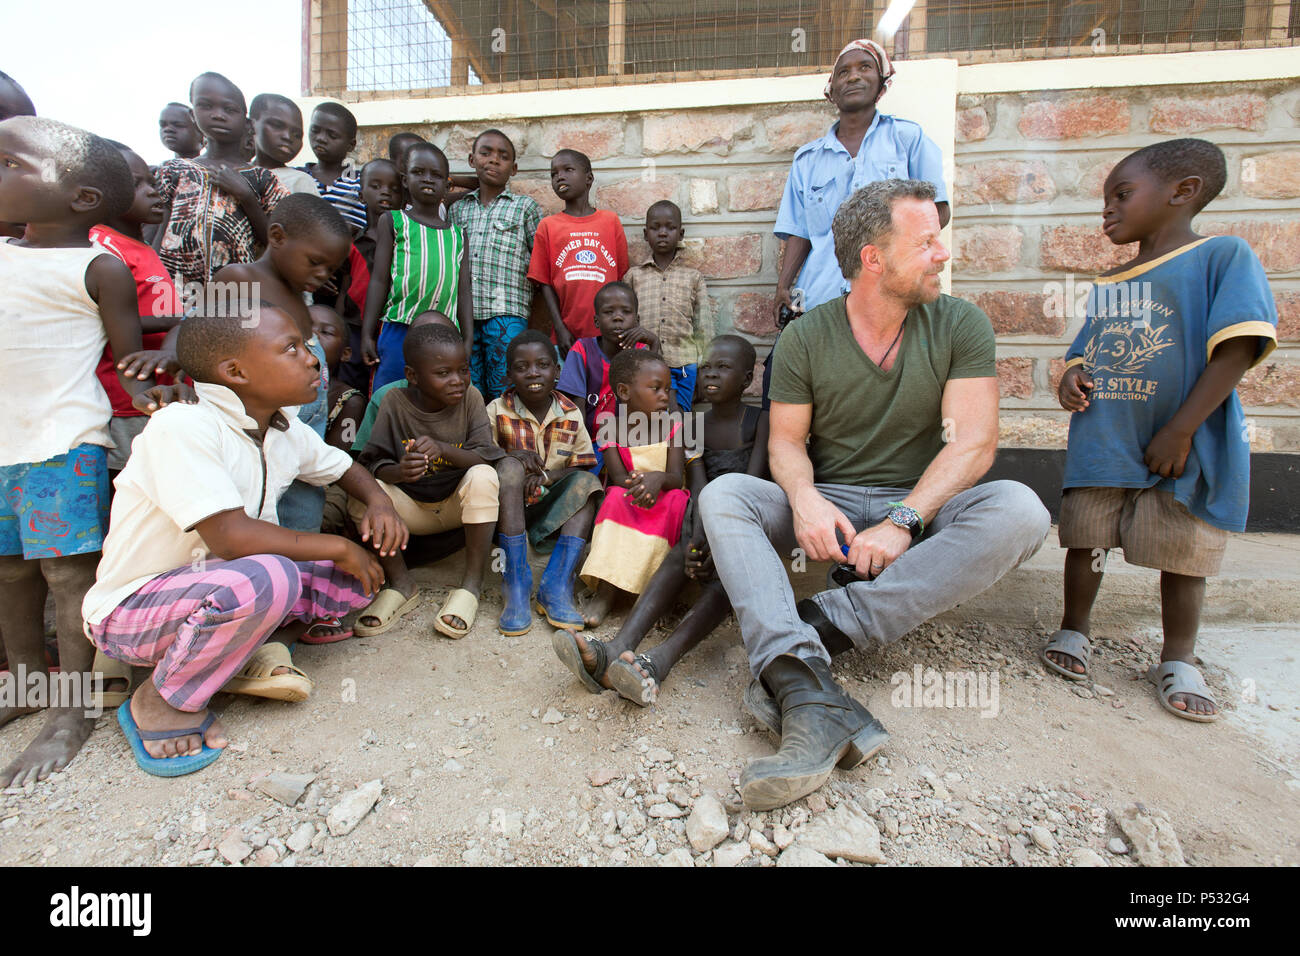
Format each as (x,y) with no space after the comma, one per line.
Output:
(1073,390)
(563,339)
(362,565)
(234,183)
(1167,453)
(699,559)
(385,531)
(149,362)
(433,449)
(533,487)
(369,351)
(646,487)
(630,337)
(414,464)
(160,396)
(532,462)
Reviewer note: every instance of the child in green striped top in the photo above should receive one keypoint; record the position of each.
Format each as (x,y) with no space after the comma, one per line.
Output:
(421,263)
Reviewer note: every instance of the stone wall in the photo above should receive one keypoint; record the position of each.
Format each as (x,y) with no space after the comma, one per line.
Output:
(1027,201)
(1030,169)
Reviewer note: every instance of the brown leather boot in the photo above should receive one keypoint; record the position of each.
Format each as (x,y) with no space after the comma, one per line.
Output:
(818,724)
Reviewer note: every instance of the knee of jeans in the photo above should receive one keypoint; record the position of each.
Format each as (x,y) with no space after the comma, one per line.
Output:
(1023,512)
(723,494)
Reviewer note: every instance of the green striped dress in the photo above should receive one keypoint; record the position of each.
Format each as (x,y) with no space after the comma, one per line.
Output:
(426,269)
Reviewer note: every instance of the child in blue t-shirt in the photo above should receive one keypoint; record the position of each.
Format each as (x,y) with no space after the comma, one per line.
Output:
(1158,462)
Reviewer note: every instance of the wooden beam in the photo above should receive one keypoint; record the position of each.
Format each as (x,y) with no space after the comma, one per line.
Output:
(617,37)
(464,51)
(327,28)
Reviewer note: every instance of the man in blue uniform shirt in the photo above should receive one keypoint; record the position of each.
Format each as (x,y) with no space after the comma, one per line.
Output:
(862,146)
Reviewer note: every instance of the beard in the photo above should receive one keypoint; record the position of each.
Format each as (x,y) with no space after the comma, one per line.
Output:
(920,291)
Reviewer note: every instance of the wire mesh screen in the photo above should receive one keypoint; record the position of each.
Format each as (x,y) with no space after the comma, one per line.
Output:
(373,47)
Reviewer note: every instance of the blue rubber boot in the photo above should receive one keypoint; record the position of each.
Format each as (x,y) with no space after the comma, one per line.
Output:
(555,593)
(517,617)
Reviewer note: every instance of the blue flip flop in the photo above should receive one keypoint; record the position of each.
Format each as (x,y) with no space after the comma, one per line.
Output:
(165,766)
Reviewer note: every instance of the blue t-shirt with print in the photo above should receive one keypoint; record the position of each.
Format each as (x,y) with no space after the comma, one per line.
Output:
(1148,336)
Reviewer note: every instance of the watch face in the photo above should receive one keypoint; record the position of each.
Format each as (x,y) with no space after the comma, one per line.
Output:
(904,518)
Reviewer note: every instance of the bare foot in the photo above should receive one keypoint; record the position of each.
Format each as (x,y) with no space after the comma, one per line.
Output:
(65,730)
(151,712)
(598,607)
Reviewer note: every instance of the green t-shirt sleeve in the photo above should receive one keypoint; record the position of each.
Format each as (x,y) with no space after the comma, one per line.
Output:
(974,347)
(791,370)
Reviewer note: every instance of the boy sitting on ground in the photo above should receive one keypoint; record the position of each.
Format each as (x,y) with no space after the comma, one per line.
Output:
(198,579)
(546,484)
(431,449)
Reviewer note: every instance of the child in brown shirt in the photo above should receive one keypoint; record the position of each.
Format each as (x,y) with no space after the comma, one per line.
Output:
(431,450)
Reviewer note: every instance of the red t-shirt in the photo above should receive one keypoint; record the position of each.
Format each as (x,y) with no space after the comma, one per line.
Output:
(576,257)
(157,295)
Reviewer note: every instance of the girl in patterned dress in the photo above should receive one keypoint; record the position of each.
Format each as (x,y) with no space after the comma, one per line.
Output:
(218,203)
(421,264)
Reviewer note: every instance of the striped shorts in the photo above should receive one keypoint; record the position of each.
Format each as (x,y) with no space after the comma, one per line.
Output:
(199,627)
(1151,526)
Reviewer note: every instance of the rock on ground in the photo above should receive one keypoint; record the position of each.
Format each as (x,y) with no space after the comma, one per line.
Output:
(799,855)
(845,832)
(1152,836)
(678,857)
(706,827)
(347,813)
(288,788)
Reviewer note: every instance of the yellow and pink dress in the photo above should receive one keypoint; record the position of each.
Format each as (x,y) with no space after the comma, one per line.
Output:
(628,542)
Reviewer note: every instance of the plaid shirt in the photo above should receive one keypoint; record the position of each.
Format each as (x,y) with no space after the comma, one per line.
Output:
(560,439)
(674,305)
(500,238)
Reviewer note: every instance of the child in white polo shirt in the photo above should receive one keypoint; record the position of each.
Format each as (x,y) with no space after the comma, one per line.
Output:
(197,578)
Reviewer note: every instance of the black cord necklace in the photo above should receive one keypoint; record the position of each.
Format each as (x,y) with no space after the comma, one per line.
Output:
(899,335)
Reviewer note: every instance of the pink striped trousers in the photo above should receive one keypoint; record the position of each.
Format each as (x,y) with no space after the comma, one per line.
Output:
(200,627)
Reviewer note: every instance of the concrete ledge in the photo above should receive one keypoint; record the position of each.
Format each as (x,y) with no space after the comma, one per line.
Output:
(1260,584)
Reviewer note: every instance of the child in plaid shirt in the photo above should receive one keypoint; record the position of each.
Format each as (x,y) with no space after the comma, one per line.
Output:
(500,226)
(546,484)
(674,299)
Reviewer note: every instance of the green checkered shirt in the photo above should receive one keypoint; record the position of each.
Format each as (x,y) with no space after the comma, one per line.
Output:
(500,237)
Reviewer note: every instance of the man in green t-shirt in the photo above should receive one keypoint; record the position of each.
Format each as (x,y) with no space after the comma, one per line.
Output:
(884,416)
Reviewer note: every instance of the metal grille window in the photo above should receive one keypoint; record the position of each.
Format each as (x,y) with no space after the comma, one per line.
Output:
(368,48)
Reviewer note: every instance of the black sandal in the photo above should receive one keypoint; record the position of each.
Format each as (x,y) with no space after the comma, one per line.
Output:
(566,649)
(630,684)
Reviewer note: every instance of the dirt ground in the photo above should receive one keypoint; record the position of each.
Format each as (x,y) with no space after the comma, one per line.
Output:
(489,752)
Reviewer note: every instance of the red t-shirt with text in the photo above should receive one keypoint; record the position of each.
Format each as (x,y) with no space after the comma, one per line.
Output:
(576,256)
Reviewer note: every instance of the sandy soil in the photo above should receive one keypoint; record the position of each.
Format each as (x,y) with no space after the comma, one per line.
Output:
(490,753)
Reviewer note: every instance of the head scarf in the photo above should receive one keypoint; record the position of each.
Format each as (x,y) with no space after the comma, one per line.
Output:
(877,53)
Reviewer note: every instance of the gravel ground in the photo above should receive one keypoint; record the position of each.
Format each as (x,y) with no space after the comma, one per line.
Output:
(416,750)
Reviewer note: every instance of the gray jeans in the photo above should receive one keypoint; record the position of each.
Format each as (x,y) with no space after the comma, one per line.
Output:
(978,536)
